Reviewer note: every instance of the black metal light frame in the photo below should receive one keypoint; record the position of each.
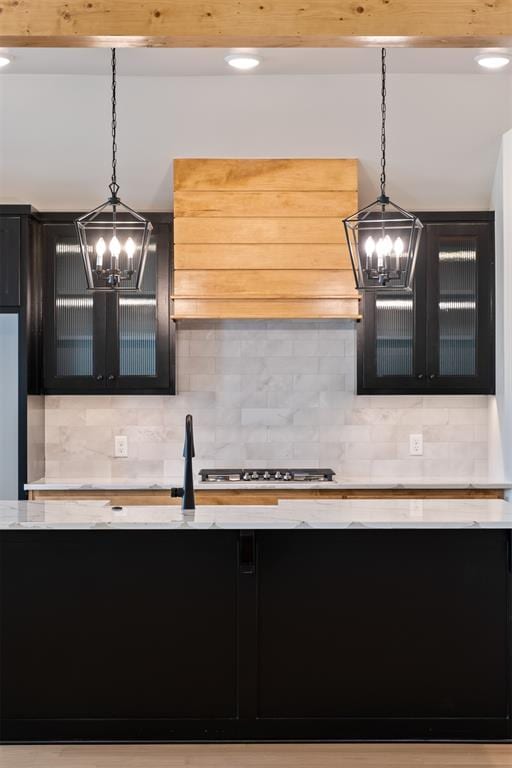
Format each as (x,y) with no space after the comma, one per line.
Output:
(383,238)
(125,270)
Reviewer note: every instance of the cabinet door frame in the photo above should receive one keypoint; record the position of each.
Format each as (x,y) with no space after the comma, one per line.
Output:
(484,380)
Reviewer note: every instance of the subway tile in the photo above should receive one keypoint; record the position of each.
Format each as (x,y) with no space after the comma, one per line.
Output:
(293,434)
(394,402)
(309,453)
(200,365)
(201,348)
(370,451)
(340,365)
(240,365)
(266,416)
(202,382)
(396,468)
(295,365)
(306,416)
(278,452)
(327,348)
(322,382)
(467,416)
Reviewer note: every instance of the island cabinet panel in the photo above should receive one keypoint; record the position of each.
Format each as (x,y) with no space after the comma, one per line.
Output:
(263,238)
(395,634)
(116,628)
(255,635)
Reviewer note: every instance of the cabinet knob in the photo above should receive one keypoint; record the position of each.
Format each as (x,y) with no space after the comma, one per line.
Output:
(111,377)
(420,376)
(99,377)
(431,376)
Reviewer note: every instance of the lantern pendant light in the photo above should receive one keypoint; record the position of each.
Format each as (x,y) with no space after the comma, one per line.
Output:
(114,239)
(383,239)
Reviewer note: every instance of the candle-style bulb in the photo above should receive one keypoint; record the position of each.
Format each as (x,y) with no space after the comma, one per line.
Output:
(101,247)
(380,252)
(115,247)
(399,246)
(387,245)
(130,249)
(369,246)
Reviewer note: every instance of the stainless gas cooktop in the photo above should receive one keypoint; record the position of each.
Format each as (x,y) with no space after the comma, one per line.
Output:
(266,475)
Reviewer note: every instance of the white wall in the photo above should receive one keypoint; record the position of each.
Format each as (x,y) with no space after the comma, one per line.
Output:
(500,406)
(444,132)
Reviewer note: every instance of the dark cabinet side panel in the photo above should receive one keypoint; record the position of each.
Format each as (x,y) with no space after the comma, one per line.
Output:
(10,255)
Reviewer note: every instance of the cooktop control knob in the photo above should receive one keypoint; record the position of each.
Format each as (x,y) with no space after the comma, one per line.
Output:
(278,475)
(255,476)
(246,476)
(288,476)
(266,475)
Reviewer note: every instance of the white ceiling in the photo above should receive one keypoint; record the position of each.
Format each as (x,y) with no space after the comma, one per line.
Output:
(210,61)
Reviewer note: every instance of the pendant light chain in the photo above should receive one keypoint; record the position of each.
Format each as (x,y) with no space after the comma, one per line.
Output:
(114,186)
(383,128)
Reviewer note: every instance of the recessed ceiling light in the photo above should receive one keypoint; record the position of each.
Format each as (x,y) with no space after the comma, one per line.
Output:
(493,60)
(243,61)
(4,61)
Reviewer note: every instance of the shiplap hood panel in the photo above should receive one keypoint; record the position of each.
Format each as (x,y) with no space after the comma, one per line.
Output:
(258,238)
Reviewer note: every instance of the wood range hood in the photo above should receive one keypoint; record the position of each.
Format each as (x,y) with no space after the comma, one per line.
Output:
(263,238)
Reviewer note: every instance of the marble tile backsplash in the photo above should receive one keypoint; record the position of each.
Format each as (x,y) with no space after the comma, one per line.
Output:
(265,393)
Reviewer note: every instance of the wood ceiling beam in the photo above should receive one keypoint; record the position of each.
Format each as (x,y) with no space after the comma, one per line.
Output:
(261,23)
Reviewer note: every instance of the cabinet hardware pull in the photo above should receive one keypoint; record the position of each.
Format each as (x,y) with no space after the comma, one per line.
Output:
(99,377)
(111,377)
(432,376)
(247,552)
(420,376)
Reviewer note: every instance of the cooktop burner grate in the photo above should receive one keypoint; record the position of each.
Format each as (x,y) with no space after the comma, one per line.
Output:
(255,475)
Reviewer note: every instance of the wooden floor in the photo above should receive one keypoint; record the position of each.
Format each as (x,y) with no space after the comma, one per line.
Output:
(259,756)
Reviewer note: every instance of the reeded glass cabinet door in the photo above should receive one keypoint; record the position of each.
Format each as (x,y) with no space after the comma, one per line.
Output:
(390,349)
(139,352)
(460,328)
(73,316)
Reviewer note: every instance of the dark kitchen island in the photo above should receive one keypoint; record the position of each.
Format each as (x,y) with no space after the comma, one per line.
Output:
(347,620)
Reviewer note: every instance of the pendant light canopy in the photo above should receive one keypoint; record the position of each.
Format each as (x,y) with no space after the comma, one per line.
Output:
(114,239)
(383,239)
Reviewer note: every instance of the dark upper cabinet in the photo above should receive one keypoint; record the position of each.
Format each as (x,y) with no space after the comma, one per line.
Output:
(439,338)
(106,342)
(10,257)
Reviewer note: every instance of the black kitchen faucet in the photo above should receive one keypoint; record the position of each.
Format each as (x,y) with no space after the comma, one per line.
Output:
(186,493)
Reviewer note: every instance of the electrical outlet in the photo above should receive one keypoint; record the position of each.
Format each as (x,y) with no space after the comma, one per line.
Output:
(120,446)
(416,445)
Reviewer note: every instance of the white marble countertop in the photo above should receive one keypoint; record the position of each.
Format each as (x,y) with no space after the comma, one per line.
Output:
(291,514)
(157,484)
